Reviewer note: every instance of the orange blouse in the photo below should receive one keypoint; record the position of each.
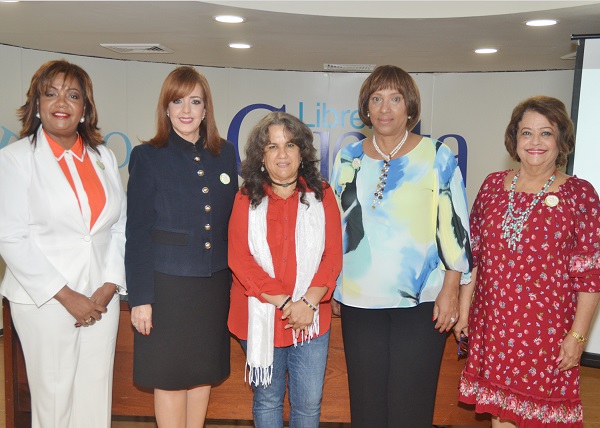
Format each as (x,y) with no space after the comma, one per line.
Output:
(92,190)
(249,279)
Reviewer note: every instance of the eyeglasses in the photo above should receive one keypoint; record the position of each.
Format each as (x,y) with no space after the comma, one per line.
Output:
(463,345)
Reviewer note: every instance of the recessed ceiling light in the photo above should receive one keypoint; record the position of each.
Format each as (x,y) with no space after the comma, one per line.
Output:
(486,50)
(229,19)
(541,22)
(240,45)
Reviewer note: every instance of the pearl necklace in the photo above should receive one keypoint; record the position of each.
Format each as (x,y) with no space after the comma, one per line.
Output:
(515,218)
(386,166)
(385,157)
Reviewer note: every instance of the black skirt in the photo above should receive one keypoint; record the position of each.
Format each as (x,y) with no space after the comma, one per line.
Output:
(189,342)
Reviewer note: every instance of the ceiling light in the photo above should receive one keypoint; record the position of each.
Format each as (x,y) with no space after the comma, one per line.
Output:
(229,19)
(486,50)
(541,22)
(240,45)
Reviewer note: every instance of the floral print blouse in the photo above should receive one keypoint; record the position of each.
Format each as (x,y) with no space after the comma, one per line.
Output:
(395,254)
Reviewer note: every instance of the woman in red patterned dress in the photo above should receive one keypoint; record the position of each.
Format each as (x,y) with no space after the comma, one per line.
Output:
(535,235)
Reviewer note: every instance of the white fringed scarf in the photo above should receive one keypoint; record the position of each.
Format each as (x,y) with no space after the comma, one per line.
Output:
(310,244)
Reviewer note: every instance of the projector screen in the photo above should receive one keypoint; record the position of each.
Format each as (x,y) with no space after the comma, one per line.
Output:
(585,162)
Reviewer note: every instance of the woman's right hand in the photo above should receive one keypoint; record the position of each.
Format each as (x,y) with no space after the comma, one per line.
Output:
(336,308)
(85,311)
(465,296)
(299,317)
(461,328)
(141,318)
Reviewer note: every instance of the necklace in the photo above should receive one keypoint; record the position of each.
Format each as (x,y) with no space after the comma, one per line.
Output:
(284,184)
(515,218)
(395,150)
(386,167)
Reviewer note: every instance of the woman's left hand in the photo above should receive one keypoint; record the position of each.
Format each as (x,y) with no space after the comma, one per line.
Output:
(570,353)
(299,316)
(104,294)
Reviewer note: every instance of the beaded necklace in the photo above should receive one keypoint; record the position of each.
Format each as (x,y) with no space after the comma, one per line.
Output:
(386,167)
(515,218)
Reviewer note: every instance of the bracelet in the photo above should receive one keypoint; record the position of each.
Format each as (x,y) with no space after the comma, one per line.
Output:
(285,302)
(580,337)
(314,308)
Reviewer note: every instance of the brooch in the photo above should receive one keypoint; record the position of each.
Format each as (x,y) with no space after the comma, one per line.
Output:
(551,200)
(225,179)
(356,163)
(100,164)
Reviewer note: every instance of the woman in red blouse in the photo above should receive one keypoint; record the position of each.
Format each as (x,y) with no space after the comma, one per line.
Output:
(285,251)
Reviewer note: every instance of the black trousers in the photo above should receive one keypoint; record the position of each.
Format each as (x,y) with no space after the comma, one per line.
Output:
(393,358)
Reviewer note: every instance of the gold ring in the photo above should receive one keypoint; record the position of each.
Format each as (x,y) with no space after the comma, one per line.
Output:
(135,324)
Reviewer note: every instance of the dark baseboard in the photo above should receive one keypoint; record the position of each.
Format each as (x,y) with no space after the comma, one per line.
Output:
(590,360)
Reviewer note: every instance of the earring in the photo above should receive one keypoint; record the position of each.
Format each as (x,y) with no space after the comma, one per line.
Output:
(167,114)
(409,117)
(204,116)
(301,163)
(368,114)
(262,168)
(82,119)
(37,115)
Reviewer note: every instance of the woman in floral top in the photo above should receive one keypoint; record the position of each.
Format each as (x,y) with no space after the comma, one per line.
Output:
(406,243)
(536,250)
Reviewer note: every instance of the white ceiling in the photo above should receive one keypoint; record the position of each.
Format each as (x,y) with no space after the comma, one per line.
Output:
(419,36)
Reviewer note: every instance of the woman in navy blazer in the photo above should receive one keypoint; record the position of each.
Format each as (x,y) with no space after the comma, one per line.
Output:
(181,188)
(62,235)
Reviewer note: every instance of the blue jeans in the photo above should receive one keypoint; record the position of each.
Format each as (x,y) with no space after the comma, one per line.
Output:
(305,367)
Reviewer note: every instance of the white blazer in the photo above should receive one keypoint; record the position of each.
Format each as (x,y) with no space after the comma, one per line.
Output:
(44,239)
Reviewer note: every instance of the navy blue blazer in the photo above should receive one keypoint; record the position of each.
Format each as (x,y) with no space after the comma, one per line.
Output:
(179,199)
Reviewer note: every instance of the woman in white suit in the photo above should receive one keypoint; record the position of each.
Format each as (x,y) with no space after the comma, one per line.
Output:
(62,223)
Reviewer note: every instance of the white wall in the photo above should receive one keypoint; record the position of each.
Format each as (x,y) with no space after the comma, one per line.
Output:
(476,106)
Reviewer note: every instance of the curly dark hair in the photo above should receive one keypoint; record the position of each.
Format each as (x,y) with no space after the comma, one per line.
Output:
(41,81)
(301,136)
(552,109)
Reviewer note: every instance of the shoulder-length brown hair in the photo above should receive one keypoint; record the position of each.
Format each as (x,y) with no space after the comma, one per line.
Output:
(40,82)
(391,77)
(178,84)
(552,109)
(299,134)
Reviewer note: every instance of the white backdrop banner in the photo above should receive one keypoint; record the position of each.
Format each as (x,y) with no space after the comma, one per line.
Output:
(468,111)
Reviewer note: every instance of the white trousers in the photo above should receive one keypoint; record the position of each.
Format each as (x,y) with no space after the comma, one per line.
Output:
(69,369)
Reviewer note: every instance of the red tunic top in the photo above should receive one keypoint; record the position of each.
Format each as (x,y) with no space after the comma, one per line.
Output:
(249,279)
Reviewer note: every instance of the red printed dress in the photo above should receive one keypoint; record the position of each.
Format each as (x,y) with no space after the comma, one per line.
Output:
(525,303)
